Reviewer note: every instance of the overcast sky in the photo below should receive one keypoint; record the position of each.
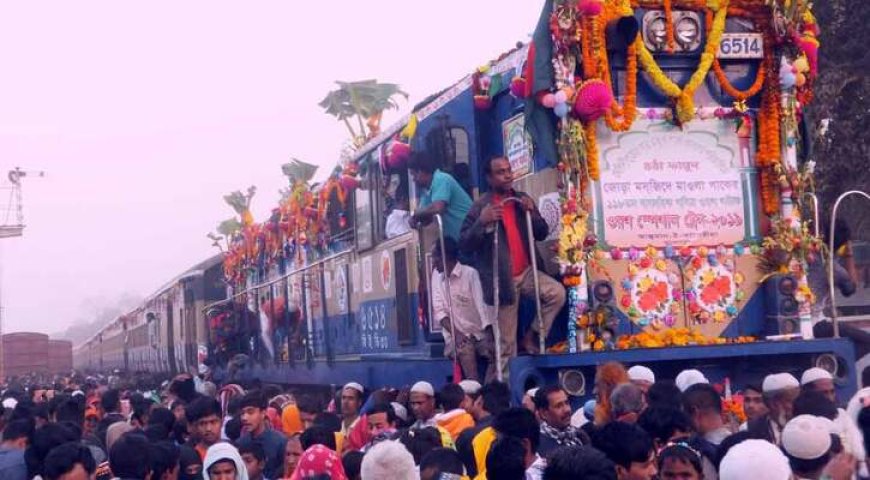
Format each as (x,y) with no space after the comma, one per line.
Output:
(143,114)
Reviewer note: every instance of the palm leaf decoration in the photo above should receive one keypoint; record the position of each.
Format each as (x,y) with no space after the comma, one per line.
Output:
(241,203)
(364,100)
(298,171)
(229,227)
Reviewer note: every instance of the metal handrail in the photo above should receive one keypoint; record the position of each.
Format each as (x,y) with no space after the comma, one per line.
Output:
(286,275)
(814,200)
(448,293)
(536,279)
(833,258)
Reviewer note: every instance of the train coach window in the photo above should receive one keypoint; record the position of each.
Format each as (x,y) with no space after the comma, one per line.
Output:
(364,204)
(449,145)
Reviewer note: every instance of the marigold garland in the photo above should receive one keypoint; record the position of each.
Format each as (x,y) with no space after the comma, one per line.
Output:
(669,26)
(591,151)
(740,95)
(768,155)
(684,96)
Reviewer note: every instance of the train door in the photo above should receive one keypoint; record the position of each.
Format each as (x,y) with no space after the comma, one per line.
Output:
(170,338)
(447,132)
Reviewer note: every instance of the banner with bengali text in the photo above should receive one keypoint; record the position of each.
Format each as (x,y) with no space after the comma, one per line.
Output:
(664,185)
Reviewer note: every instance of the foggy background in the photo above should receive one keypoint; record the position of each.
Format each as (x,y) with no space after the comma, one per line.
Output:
(144,114)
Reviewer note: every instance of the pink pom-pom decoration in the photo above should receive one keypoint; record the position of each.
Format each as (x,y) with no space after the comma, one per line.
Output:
(590,8)
(349,182)
(593,100)
(518,87)
(398,155)
(810,47)
(548,100)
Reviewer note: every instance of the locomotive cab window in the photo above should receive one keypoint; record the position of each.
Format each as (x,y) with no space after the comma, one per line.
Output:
(364,204)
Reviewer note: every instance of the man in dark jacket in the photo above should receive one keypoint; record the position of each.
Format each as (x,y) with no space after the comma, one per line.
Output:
(515,272)
(551,404)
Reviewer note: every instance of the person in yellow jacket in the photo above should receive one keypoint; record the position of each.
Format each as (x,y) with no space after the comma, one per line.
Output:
(455,419)
(515,422)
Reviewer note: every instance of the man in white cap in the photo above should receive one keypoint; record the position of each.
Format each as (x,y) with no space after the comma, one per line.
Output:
(806,440)
(754,459)
(423,405)
(351,402)
(642,376)
(780,391)
(821,381)
(690,377)
(472,391)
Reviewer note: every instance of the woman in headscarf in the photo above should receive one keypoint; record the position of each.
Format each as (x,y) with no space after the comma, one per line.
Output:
(319,461)
(223,462)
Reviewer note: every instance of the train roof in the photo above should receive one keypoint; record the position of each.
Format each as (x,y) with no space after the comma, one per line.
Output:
(507,61)
(196,270)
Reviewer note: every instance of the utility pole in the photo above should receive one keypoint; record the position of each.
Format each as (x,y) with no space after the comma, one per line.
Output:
(11,226)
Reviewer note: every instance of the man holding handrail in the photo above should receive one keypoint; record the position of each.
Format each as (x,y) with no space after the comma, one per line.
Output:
(503,210)
(471,316)
(441,195)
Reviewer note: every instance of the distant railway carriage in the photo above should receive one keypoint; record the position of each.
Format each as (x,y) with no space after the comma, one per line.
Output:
(166,333)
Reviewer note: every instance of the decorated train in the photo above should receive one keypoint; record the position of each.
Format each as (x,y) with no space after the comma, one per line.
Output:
(663,143)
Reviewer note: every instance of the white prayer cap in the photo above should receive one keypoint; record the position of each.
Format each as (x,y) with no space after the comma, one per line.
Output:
(424,388)
(10,403)
(814,374)
(687,378)
(749,458)
(807,437)
(531,392)
(470,387)
(641,373)
(779,381)
(354,386)
(400,411)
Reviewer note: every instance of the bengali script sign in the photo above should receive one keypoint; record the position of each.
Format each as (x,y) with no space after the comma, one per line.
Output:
(662,185)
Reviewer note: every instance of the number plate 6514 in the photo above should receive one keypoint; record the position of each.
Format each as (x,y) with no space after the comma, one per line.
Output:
(741,45)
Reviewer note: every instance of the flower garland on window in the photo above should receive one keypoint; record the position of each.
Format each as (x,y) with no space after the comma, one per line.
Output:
(684,96)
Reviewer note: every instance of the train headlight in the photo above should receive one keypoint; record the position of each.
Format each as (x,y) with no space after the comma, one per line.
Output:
(655,31)
(687,31)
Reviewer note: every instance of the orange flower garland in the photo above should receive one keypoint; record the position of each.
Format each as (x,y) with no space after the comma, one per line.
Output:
(591,151)
(740,95)
(669,26)
(768,155)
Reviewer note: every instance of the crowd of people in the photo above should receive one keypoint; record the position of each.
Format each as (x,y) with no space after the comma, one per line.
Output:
(637,427)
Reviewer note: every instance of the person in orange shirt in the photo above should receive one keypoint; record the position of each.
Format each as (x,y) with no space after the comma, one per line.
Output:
(291,420)
(454,419)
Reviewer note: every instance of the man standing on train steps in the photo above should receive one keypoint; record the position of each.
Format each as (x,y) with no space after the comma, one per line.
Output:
(515,272)
(441,195)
